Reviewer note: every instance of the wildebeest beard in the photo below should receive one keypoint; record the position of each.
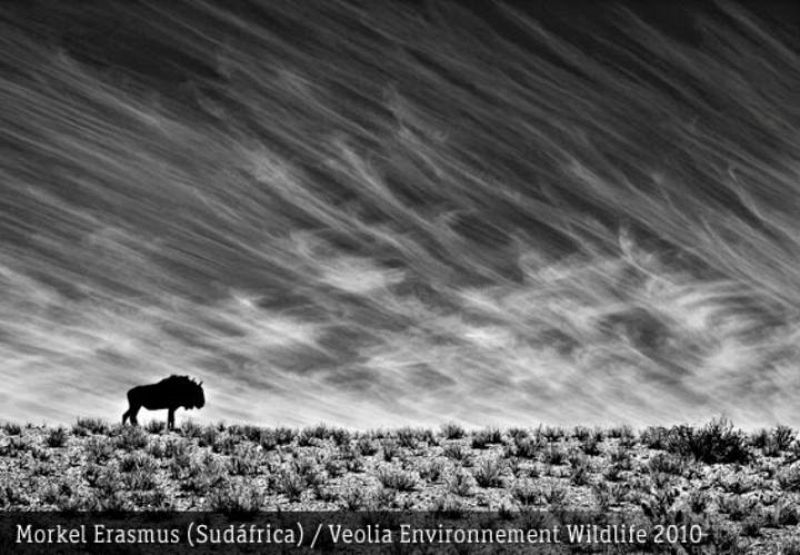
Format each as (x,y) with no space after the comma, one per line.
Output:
(170,393)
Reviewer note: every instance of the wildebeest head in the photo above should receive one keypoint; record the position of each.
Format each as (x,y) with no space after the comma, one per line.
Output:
(195,398)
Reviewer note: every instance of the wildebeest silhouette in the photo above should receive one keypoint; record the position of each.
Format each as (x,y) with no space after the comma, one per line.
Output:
(170,393)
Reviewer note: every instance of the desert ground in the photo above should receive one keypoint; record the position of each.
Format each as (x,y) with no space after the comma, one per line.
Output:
(742,489)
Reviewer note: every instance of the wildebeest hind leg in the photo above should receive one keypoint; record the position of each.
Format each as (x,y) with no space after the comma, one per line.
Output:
(171,419)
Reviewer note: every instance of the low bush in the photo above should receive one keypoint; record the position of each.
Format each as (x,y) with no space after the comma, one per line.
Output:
(191,429)
(581,472)
(155,426)
(552,433)
(452,431)
(367,447)
(408,437)
(291,484)
(168,449)
(354,497)
(267,440)
(140,480)
(245,461)
(555,495)
(130,438)
(431,471)
(105,479)
(207,436)
(235,499)
(716,442)
(455,451)
(581,433)
(735,506)
(666,463)
(98,449)
(284,436)
(482,438)
(57,437)
(307,436)
(698,501)
(12,429)
(655,437)
(591,445)
(488,473)
(461,483)
(789,478)
(248,432)
(527,492)
(398,479)
(137,461)
(90,425)
(226,444)
(341,437)
(607,494)
(528,448)
(554,455)
(335,467)
(773,442)
(390,449)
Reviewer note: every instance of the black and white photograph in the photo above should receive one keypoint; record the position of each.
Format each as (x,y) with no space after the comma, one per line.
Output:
(507,267)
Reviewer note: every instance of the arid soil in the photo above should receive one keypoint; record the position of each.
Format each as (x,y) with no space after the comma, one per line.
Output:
(741,489)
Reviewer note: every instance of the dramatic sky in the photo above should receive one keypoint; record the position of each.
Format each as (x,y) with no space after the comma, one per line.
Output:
(383,213)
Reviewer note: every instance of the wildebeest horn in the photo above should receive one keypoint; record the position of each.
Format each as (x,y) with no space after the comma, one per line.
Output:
(201,383)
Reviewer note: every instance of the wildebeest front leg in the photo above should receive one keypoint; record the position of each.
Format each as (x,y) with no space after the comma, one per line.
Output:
(171,419)
(131,413)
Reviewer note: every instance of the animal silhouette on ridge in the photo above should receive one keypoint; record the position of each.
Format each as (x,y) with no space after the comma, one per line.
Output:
(170,393)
